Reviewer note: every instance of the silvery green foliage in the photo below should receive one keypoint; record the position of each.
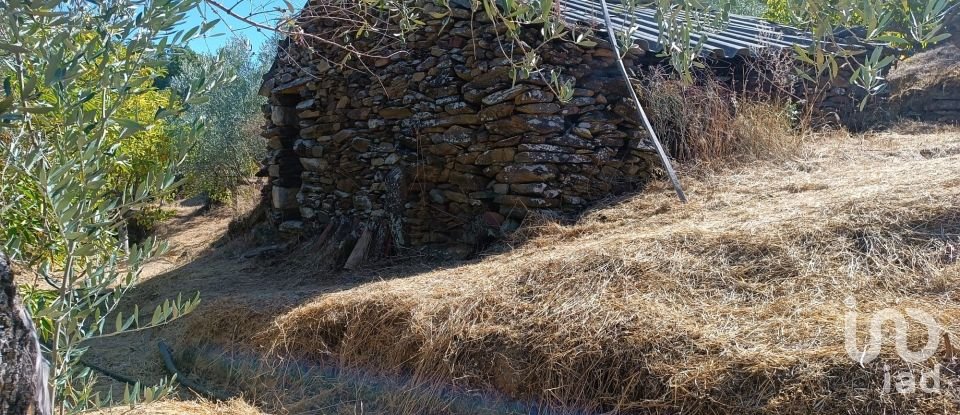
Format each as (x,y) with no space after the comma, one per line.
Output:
(749,7)
(227,152)
(66,67)
(884,23)
(681,20)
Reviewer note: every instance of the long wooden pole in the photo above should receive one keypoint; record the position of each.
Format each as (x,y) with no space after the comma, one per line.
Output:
(640,111)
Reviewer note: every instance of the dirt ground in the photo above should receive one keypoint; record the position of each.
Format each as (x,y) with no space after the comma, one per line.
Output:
(203,257)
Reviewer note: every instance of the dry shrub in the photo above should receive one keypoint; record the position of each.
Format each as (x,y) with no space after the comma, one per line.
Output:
(708,123)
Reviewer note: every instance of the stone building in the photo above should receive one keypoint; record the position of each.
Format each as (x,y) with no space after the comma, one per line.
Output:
(438,144)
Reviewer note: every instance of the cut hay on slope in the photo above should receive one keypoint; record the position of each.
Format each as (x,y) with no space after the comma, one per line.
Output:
(733,304)
(174,407)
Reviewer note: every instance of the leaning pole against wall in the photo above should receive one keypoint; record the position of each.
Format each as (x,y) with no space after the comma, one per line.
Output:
(643,114)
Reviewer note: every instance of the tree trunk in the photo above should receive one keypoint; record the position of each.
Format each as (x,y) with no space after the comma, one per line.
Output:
(23,373)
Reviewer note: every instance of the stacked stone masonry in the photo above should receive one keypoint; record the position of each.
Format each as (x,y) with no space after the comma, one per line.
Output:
(445,147)
(438,144)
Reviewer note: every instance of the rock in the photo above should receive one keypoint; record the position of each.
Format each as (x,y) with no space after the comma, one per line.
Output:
(582,132)
(455,196)
(570,140)
(314,164)
(501,96)
(284,198)
(360,144)
(496,112)
(600,118)
(543,108)
(282,116)
(514,125)
(532,189)
(449,120)
(468,182)
(468,158)
(534,96)
(603,53)
(444,149)
(383,148)
(291,226)
(527,173)
(494,156)
(489,78)
(362,202)
(458,107)
(309,114)
(545,124)
(437,196)
(289,85)
(456,135)
(549,148)
(543,157)
(342,136)
(359,114)
(273,170)
(394,113)
(305,105)
(275,143)
(525,202)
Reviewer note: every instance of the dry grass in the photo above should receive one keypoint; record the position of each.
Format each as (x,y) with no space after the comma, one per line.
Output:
(731,304)
(938,67)
(712,125)
(174,407)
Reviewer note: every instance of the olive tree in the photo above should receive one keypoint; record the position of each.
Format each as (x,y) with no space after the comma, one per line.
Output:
(226,155)
(892,27)
(67,69)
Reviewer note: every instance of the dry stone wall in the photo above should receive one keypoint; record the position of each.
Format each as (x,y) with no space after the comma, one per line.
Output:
(837,101)
(441,145)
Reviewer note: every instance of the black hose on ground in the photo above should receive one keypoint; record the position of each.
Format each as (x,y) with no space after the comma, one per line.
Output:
(167,355)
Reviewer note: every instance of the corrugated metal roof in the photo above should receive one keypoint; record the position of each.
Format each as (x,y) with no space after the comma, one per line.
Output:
(740,37)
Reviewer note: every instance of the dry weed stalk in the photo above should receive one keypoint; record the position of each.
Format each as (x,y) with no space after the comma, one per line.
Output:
(709,123)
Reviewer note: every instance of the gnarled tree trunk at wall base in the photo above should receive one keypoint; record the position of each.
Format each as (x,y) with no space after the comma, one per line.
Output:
(23,373)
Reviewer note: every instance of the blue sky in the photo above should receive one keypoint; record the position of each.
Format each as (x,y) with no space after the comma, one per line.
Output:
(261,11)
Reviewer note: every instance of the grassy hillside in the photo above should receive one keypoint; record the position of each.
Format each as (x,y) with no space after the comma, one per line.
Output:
(734,303)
